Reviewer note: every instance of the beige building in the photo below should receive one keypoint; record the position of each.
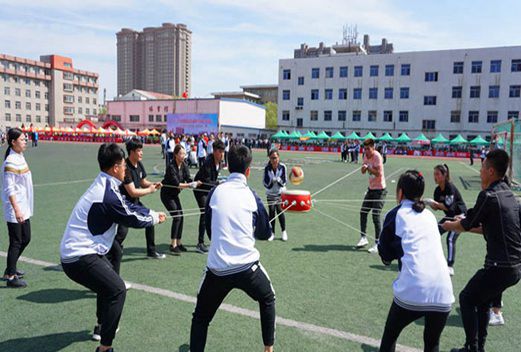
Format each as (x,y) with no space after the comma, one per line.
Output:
(46,92)
(266,92)
(156,59)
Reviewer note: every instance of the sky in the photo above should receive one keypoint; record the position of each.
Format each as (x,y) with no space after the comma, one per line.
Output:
(238,43)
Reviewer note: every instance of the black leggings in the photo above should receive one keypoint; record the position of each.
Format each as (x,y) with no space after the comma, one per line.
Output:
(96,273)
(399,318)
(373,200)
(19,238)
(452,237)
(274,206)
(254,281)
(173,205)
(200,197)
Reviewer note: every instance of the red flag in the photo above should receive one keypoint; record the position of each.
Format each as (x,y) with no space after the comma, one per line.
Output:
(185,95)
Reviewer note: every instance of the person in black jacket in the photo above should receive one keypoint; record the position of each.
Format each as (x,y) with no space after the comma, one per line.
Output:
(448,199)
(207,175)
(497,214)
(177,178)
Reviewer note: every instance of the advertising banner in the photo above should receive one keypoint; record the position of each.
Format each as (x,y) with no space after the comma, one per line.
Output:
(192,124)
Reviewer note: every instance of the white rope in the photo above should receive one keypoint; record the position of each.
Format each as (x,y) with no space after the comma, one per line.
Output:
(335,182)
(282,212)
(345,224)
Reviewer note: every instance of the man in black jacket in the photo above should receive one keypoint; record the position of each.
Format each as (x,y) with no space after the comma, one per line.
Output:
(498,215)
(207,174)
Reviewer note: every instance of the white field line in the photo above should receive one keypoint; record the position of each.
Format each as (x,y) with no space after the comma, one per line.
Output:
(469,167)
(306,327)
(64,182)
(394,173)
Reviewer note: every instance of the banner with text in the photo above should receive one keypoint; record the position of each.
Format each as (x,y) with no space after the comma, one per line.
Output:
(192,124)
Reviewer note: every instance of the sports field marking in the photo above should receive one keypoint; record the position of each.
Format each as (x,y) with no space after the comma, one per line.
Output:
(393,173)
(335,182)
(63,182)
(306,327)
(469,167)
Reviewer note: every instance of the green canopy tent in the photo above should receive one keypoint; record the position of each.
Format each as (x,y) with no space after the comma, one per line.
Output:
(309,136)
(280,135)
(294,135)
(386,138)
(338,136)
(439,139)
(404,138)
(322,135)
(458,140)
(478,141)
(421,139)
(353,135)
(368,135)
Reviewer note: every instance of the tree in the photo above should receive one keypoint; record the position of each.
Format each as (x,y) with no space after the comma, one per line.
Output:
(271,115)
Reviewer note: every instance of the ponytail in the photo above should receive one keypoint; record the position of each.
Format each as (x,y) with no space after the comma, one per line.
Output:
(444,170)
(412,184)
(12,135)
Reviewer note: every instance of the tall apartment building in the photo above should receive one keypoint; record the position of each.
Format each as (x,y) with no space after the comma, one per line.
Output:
(46,92)
(449,91)
(156,59)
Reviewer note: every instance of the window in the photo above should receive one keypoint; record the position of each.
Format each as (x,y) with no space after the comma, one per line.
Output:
(342,94)
(37,94)
(492,116)
(455,116)
(458,67)
(359,71)
(516,65)
(389,70)
(68,87)
(8,117)
(404,93)
(357,115)
(493,91)
(7,104)
(80,99)
(27,118)
(342,115)
(405,70)
(87,111)
(357,93)
(388,116)
(457,92)
(475,91)
(373,71)
(371,115)
(300,101)
(429,100)
(80,110)
(514,91)
(473,116)
(18,105)
(68,98)
(329,72)
(476,66)
(328,94)
(428,124)
(38,107)
(68,76)
(7,91)
(46,107)
(18,118)
(46,95)
(18,92)
(300,81)
(286,74)
(373,93)
(431,76)
(38,118)
(151,117)
(388,93)
(68,110)
(94,101)
(27,106)
(285,95)
(404,116)
(134,118)
(285,115)
(343,71)
(513,115)
(313,115)
(94,113)
(314,94)
(495,66)
(315,73)
(328,115)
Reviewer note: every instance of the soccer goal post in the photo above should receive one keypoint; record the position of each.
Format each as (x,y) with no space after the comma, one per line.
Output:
(507,135)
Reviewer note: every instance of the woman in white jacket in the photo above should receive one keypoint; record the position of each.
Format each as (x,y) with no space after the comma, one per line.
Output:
(17,196)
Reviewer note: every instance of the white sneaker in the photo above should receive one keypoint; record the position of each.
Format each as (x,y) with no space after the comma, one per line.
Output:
(128,285)
(373,249)
(451,271)
(272,237)
(496,319)
(363,242)
(284,236)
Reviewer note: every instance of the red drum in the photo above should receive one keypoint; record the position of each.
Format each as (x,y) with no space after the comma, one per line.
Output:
(296,201)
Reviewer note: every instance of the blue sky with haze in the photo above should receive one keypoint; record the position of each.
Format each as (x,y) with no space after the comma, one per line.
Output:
(239,42)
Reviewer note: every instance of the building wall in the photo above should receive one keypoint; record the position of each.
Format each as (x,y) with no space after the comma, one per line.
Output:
(420,63)
(266,95)
(240,113)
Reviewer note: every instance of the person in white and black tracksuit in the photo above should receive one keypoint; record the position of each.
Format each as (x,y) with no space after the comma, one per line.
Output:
(423,287)
(275,179)
(448,199)
(90,233)
(233,260)
(497,215)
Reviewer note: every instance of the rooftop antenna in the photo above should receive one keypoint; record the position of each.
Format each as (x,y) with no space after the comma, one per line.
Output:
(350,35)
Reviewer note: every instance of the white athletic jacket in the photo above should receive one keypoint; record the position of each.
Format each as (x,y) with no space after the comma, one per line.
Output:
(17,181)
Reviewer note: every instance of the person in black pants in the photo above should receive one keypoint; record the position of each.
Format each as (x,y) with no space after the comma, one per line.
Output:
(275,179)
(177,178)
(207,175)
(497,214)
(448,199)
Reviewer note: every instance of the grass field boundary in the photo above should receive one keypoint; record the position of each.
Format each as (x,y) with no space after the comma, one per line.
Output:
(306,327)
(469,167)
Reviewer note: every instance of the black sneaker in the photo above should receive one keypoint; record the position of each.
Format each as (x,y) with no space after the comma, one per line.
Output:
(201,248)
(96,334)
(463,349)
(182,248)
(16,282)
(109,350)
(20,273)
(156,255)
(175,250)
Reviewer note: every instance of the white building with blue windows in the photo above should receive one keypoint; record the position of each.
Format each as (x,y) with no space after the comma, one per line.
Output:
(449,91)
